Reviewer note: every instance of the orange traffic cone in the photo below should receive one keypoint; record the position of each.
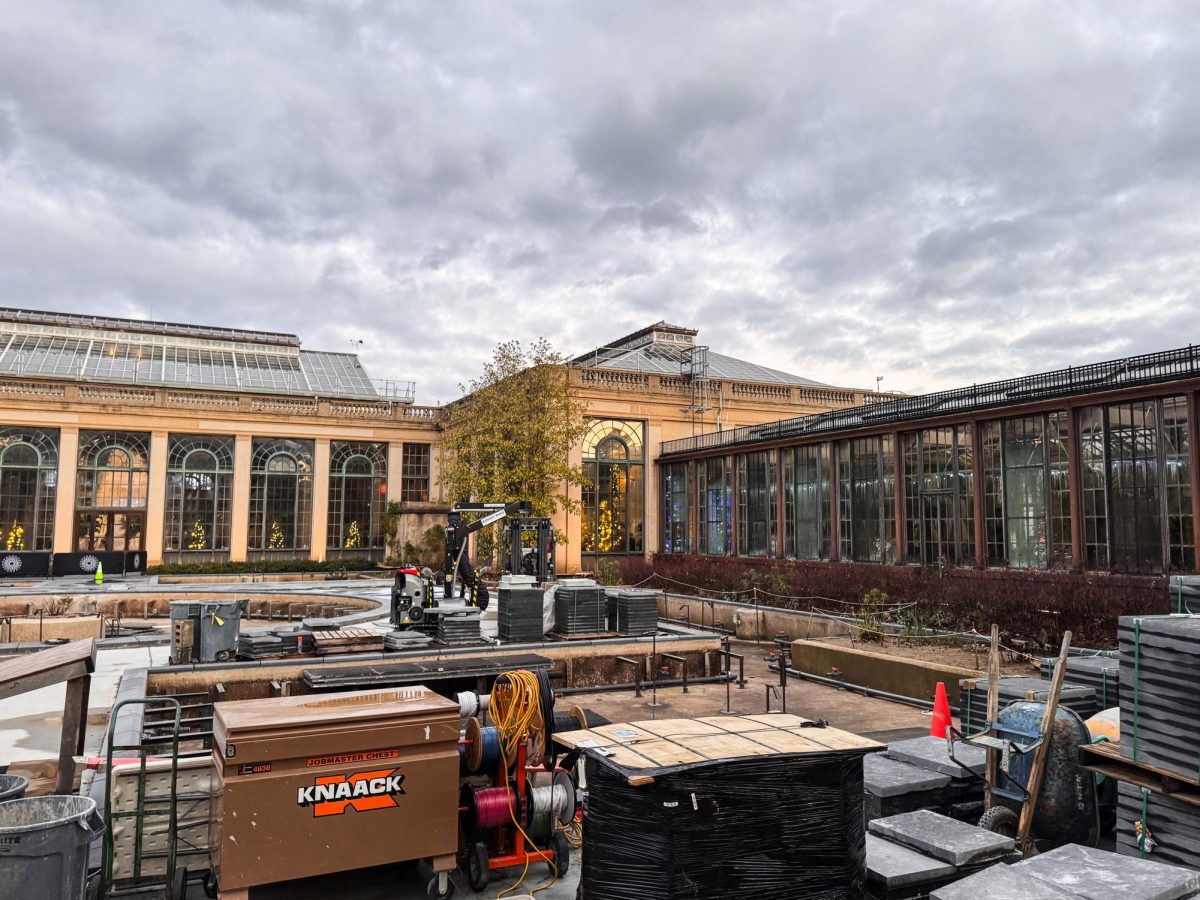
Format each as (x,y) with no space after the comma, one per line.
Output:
(941,712)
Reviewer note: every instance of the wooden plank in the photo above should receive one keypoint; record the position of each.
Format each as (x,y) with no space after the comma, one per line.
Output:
(1109,755)
(1037,768)
(73,724)
(667,753)
(673,728)
(785,741)
(778,720)
(725,746)
(991,772)
(31,671)
(836,739)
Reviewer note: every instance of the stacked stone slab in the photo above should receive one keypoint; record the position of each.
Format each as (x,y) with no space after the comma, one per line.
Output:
(633,611)
(1101,673)
(459,626)
(579,609)
(973,697)
(1076,872)
(1174,826)
(900,780)
(1160,692)
(519,612)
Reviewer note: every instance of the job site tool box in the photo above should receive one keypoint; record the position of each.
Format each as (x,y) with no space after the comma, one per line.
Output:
(325,783)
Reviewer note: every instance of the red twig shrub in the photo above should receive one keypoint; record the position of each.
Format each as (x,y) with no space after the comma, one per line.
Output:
(1029,605)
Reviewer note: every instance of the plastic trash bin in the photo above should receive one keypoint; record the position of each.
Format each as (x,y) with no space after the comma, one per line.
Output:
(12,787)
(44,846)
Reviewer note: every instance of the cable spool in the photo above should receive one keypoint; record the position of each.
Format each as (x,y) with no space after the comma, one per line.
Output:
(468,703)
(548,806)
(564,722)
(590,719)
(487,808)
(483,745)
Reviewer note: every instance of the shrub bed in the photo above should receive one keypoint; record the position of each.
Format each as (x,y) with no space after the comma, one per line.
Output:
(1028,605)
(266,566)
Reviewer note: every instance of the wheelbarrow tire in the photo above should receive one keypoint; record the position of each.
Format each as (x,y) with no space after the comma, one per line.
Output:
(1000,820)
(478,867)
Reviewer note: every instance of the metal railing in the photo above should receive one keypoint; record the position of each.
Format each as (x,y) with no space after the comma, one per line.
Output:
(1133,371)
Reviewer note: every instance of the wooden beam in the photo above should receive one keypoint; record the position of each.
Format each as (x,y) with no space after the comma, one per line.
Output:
(87,695)
(1037,769)
(993,713)
(74,724)
(46,667)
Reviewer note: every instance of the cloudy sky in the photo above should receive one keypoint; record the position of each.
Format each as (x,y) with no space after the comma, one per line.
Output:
(938,193)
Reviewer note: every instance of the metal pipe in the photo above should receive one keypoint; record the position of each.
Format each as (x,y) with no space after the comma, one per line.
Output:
(683,665)
(674,682)
(637,673)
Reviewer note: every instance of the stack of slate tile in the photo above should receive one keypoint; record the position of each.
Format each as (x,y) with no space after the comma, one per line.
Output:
(634,611)
(1174,826)
(1101,673)
(519,610)
(259,645)
(1185,594)
(295,639)
(910,854)
(459,626)
(1160,692)
(1073,871)
(886,786)
(973,694)
(406,639)
(579,609)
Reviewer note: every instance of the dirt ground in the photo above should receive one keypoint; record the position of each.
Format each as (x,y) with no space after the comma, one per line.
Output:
(965,654)
(842,709)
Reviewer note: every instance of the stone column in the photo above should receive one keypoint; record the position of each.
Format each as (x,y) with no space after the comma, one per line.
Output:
(156,501)
(64,498)
(239,520)
(320,505)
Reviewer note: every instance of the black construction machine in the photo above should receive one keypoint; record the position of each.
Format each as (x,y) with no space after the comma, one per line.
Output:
(529,547)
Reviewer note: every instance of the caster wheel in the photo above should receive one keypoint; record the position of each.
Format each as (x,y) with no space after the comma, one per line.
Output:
(562,855)
(435,893)
(210,885)
(1000,820)
(478,870)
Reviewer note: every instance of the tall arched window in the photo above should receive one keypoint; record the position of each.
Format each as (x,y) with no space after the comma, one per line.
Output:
(614,491)
(111,491)
(357,498)
(199,492)
(28,486)
(280,495)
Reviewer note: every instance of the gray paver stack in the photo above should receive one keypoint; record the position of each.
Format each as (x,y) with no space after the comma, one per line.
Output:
(579,608)
(519,610)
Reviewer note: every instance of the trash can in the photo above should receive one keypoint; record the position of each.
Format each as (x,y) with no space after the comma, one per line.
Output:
(44,846)
(12,787)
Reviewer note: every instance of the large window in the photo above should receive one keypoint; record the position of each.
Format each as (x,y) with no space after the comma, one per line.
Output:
(199,494)
(28,486)
(614,490)
(357,496)
(867,499)
(675,508)
(280,495)
(756,503)
(940,524)
(111,491)
(1136,475)
(806,502)
(414,476)
(714,506)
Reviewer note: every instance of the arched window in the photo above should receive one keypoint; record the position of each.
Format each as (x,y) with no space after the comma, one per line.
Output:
(280,495)
(614,492)
(111,491)
(199,492)
(28,486)
(357,497)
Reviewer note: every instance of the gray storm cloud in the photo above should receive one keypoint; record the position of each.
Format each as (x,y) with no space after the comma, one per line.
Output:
(937,192)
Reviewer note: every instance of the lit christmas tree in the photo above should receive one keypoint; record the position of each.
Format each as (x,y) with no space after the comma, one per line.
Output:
(198,540)
(276,540)
(353,536)
(16,537)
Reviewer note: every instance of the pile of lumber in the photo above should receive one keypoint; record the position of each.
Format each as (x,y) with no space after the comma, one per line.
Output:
(349,640)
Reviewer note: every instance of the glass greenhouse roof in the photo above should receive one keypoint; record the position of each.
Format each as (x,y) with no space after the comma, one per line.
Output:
(127,351)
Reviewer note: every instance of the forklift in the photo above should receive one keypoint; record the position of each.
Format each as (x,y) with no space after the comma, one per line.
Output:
(414,604)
